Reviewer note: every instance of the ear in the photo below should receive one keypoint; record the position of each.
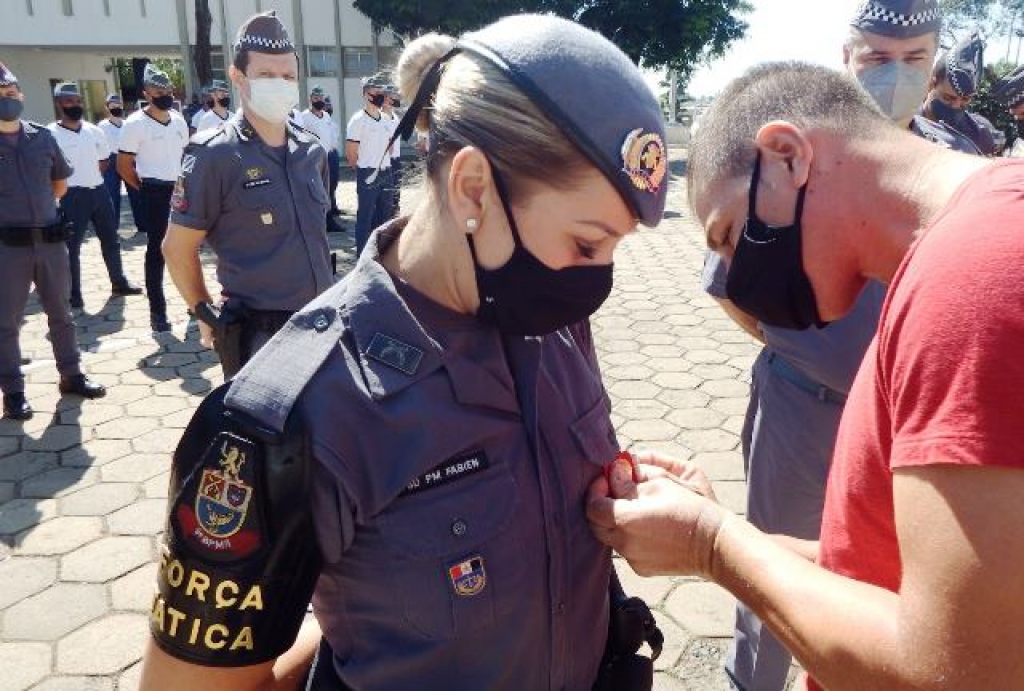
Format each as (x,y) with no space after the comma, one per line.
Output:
(469,179)
(784,143)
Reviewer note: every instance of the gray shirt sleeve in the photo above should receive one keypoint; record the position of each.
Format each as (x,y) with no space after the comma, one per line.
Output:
(714,276)
(196,200)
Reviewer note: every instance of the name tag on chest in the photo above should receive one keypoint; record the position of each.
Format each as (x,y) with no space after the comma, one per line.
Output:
(251,184)
(451,470)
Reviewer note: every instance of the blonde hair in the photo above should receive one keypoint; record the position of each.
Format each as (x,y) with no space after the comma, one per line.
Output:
(477,105)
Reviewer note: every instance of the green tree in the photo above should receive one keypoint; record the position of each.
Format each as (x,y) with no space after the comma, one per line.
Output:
(677,34)
(984,104)
(201,51)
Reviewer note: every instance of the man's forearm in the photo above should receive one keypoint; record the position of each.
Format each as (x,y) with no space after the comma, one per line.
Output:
(845,633)
(187,273)
(126,169)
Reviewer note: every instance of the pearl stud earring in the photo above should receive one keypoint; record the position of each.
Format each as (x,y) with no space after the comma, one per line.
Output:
(472,224)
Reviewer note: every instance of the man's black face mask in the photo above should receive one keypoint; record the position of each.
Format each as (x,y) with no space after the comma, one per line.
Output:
(766,276)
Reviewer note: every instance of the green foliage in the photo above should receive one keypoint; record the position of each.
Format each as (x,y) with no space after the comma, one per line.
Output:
(993,18)
(678,34)
(984,104)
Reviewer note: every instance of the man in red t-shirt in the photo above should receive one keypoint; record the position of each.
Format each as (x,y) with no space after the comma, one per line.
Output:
(918,583)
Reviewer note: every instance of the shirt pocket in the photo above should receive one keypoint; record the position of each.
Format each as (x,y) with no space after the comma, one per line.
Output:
(450,549)
(593,437)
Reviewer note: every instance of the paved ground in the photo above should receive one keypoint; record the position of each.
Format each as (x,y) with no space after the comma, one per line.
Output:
(83,485)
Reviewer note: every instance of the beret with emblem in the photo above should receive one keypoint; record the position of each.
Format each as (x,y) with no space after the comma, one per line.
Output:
(7,77)
(264,33)
(1009,90)
(593,93)
(965,63)
(153,76)
(898,18)
(66,89)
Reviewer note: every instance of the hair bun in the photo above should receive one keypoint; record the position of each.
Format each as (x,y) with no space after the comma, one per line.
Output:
(417,58)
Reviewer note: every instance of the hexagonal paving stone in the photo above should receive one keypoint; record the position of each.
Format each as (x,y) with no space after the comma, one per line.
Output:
(58,438)
(59,482)
(157,487)
(54,612)
(650,430)
(99,500)
(703,609)
(720,465)
(135,468)
(696,418)
(130,678)
(676,380)
(23,664)
(732,495)
(159,440)
(19,514)
(134,591)
(97,453)
(25,576)
(104,646)
(125,428)
(710,440)
(144,517)
(76,684)
(58,536)
(160,406)
(633,389)
(9,445)
(700,666)
(106,558)
(25,464)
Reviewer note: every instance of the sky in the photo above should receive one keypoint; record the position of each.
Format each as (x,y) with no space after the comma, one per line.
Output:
(810,30)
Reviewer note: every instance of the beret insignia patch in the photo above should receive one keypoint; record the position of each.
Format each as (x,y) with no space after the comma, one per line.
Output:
(644,160)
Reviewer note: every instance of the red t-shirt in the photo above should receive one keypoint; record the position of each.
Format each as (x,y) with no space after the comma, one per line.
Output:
(943,381)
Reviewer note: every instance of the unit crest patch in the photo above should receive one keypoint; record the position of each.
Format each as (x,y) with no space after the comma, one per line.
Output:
(468,577)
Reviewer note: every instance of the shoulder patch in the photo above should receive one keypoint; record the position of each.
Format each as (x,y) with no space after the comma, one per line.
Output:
(394,353)
(215,511)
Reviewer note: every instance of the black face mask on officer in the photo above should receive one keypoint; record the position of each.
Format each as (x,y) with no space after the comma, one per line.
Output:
(525,297)
(766,276)
(957,118)
(10,108)
(164,102)
(117,112)
(318,105)
(73,113)
(224,102)
(377,99)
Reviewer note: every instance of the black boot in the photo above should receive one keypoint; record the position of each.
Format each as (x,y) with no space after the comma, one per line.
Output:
(158,322)
(16,407)
(125,287)
(81,385)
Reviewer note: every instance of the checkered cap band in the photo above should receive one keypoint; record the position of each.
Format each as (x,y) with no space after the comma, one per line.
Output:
(871,11)
(263,44)
(7,77)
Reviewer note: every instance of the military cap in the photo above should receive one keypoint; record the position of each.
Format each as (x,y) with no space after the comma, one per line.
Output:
(218,85)
(66,89)
(113,98)
(153,76)
(316,91)
(964,65)
(898,18)
(1009,90)
(264,33)
(595,94)
(7,77)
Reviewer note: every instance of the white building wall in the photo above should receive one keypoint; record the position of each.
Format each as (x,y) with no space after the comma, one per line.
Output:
(35,69)
(89,25)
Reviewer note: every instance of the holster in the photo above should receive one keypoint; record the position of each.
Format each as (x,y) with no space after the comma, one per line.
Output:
(630,625)
(227,322)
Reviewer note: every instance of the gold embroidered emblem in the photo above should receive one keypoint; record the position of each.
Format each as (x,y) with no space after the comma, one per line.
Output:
(267,218)
(253,173)
(644,160)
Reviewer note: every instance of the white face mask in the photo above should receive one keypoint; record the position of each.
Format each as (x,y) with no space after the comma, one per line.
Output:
(272,98)
(896,87)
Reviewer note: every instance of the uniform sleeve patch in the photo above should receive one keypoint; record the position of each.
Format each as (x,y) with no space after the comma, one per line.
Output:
(179,202)
(216,511)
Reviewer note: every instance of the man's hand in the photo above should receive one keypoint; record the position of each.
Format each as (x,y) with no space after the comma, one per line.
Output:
(207,338)
(665,524)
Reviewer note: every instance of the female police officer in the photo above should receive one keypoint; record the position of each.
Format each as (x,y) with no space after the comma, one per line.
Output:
(441,408)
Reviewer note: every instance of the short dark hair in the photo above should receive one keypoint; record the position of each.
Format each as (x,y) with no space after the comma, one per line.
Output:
(806,95)
(939,72)
(241,61)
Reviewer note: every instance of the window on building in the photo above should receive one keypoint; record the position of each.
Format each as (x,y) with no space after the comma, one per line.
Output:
(321,61)
(389,58)
(217,68)
(142,7)
(68,8)
(106,7)
(359,62)
(28,7)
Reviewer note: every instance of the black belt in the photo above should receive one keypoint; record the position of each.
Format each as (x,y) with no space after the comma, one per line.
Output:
(21,236)
(266,320)
(157,182)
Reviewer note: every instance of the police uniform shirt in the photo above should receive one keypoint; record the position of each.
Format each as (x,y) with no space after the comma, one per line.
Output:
(942,134)
(84,149)
(112,132)
(157,145)
(210,120)
(322,126)
(372,135)
(263,212)
(28,166)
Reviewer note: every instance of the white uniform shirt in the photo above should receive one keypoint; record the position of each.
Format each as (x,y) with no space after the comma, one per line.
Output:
(209,120)
(322,126)
(196,117)
(157,146)
(396,148)
(84,150)
(372,135)
(112,132)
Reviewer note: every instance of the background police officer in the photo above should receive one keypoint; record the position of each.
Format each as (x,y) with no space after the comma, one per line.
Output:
(256,191)
(952,87)
(801,378)
(218,113)
(366,149)
(87,200)
(33,171)
(149,160)
(1009,91)
(111,128)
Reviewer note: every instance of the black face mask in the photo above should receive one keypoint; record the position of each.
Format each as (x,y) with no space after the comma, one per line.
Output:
(318,105)
(766,276)
(73,113)
(524,297)
(10,108)
(163,102)
(224,102)
(117,112)
(377,100)
(957,118)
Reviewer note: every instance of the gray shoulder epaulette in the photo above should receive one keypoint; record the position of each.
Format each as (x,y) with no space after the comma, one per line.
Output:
(268,386)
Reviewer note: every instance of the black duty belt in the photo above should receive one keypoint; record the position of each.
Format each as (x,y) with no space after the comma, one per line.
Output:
(26,236)
(157,182)
(267,320)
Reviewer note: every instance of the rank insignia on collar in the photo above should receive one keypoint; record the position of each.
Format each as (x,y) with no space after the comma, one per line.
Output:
(393,353)
(253,173)
(468,577)
(644,160)
(214,508)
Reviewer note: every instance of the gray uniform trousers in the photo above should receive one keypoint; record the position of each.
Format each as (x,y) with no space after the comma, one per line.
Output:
(81,205)
(46,265)
(788,438)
